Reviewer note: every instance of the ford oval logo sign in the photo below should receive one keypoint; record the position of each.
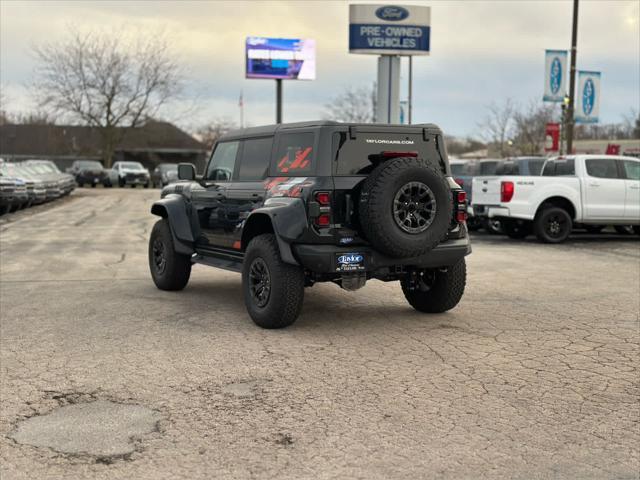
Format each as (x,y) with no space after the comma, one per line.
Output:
(392,13)
(588,96)
(350,259)
(555,75)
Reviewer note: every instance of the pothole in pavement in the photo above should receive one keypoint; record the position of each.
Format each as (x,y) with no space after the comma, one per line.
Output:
(245,389)
(101,428)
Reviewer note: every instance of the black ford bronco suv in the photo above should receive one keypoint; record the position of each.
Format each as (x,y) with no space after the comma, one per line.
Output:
(290,205)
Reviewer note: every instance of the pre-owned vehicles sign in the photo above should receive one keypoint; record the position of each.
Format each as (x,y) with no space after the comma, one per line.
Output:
(389,29)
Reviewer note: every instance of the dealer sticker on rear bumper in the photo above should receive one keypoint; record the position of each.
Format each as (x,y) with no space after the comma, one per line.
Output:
(350,262)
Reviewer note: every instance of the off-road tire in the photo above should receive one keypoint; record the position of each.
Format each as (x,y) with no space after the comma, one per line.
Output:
(177,268)
(286,281)
(444,293)
(516,229)
(376,207)
(121,182)
(541,225)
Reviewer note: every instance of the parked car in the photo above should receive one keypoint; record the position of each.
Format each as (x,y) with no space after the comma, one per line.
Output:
(521,166)
(292,205)
(464,171)
(66,183)
(36,187)
(587,190)
(52,183)
(129,173)
(89,172)
(13,191)
(164,174)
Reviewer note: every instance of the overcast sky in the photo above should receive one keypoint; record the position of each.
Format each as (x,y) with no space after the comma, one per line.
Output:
(481,52)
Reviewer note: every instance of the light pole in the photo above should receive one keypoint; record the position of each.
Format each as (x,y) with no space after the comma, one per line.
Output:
(572,78)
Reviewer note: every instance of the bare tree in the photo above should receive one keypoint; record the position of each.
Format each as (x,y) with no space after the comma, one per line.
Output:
(106,81)
(210,133)
(530,127)
(497,127)
(352,105)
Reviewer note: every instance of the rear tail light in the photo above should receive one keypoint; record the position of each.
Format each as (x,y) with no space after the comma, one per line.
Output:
(322,215)
(460,206)
(323,220)
(506,191)
(323,198)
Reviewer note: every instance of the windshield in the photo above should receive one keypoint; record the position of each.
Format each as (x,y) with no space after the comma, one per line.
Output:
(93,164)
(168,167)
(132,165)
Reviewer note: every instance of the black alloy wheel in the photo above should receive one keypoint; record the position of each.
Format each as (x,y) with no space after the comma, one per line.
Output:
(414,207)
(159,256)
(259,282)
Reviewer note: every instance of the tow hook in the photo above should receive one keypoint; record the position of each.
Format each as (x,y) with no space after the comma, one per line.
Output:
(354,281)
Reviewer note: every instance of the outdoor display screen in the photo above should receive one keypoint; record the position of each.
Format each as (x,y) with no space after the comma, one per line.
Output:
(285,58)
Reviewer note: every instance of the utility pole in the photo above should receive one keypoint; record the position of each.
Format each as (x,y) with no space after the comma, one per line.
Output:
(278,100)
(572,78)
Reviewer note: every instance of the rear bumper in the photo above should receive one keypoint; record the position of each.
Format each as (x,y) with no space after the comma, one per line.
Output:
(323,258)
(490,211)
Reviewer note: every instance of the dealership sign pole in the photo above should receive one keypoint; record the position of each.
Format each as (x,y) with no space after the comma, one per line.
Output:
(280,59)
(389,31)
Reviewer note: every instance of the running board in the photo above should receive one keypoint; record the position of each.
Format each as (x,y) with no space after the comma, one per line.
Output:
(219,258)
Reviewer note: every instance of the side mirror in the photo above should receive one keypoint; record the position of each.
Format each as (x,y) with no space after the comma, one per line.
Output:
(186,171)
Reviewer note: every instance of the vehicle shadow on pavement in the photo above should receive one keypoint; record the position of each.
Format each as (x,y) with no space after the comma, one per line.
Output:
(326,307)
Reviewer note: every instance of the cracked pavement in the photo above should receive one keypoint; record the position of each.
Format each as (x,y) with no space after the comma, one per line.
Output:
(534,375)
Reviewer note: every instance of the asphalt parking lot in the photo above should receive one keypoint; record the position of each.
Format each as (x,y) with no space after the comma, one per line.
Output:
(534,375)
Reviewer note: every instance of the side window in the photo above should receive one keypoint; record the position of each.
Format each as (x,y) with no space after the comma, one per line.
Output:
(222,162)
(631,169)
(602,168)
(565,167)
(549,169)
(255,159)
(295,155)
(535,166)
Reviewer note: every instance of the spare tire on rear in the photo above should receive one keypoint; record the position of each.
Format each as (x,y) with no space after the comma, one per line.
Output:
(405,207)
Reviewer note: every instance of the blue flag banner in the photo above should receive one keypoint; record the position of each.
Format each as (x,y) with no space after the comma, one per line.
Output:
(587,97)
(555,75)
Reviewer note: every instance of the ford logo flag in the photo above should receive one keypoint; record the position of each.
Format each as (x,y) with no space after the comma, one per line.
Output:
(392,13)
(350,258)
(555,75)
(555,64)
(588,97)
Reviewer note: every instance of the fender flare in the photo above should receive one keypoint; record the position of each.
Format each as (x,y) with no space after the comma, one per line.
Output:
(173,207)
(288,218)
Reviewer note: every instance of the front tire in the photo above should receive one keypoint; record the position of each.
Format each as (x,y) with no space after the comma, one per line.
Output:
(435,290)
(552,225)
(169,270)
(273,290)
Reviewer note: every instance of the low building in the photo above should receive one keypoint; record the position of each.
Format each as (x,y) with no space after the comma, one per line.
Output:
(151,144)
(630,148)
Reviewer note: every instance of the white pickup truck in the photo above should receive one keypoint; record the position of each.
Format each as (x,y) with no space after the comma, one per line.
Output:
(588,190)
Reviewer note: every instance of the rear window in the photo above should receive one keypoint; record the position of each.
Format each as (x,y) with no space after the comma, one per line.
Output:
(457,169)
(295,156)
(488,168)
(255,159)
(535,166)
(359,156)
(508,168)
(558,168)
